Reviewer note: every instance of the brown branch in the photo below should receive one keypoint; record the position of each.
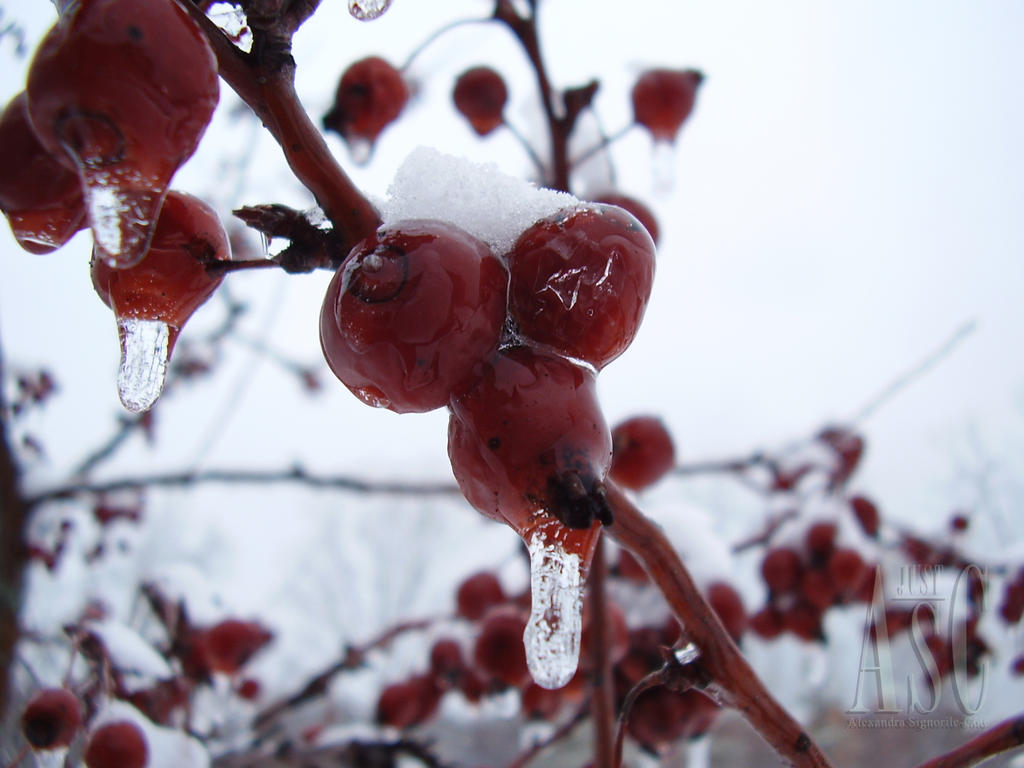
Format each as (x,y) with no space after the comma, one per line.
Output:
(602,704)
(13,553)
(266,82)
(734,682)
(295,475)
(1000,738)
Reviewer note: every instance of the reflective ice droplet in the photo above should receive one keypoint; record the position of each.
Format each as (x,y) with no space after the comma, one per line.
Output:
(51,758)
(367,10)
(360,149)
(145,349)
(122,219)
(663,166)
(552,635)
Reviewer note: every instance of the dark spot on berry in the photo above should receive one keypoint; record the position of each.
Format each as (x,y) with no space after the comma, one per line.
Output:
(494,443)
(803,743)
(134,33)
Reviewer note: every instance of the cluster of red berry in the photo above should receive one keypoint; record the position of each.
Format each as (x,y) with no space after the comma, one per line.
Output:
(52,720)
(804,582)
(106,120)
(422,315)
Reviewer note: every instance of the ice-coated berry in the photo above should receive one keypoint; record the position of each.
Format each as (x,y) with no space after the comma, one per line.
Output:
(410,314)
(580,281)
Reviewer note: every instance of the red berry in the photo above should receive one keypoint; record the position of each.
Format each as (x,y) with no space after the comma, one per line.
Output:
(499,651)
(41,198)
(480,95)
(848,570)
(118,744)
(803,620)
(529,436)
(866,513)
(641,212)
(663,99)
(371,94)
(820,539)
(446,662)
(642,452)
(616,634)
(541,703)
(959,523)
(769,622)
(660,717)
(403,705)
(51,718)
(410,314)
(172,280)
(580,281)
(630,569)
(817,589)
(249,689)
(123,89)
(781,569)
(477,594)
(848,449)
(728,604)
(227,646)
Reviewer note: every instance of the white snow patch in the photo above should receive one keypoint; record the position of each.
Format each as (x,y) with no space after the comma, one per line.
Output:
(478,198)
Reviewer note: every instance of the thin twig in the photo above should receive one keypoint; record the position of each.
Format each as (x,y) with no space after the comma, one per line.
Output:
(907,378)
(556,736)
(602,704)
(437,33)
(296,475)
(1000,738)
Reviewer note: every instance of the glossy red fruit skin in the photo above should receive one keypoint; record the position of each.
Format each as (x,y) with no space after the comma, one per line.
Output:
(172,281)
(51,718)
(122,90)
(480,95)
(498,650)
(580,281)
(663,99)
(530,421)
(370,95)
(403,705)
(411,312)
(118,744)
(227,646)
(728,604)
(642,452)
(781,569)
(641,212)
(41,198)
(477,594)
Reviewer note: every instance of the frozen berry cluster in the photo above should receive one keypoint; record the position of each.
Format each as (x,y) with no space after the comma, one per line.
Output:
(423,314)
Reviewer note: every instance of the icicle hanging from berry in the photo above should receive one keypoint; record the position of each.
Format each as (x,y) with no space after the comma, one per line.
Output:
(153,299)
(580,281)
(123,91)
(480,95)
(371,94)
(411,312)
(530,447)
(368,10)
(41,198)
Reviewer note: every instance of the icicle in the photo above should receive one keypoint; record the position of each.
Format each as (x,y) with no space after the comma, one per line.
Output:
(367,10)
(50,758)
(552,636)
(145,350)
(663,166)
(122,220)
(360,149)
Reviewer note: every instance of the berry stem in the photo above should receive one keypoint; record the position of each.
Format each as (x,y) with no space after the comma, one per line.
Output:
(267,84)
(1000,738)
(602,705)
(734,681)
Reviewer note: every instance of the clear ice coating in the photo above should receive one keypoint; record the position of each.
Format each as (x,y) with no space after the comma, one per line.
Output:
(122,217)
(360,149)
(663,166)
(367,10)
(145,349)
(552,636)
